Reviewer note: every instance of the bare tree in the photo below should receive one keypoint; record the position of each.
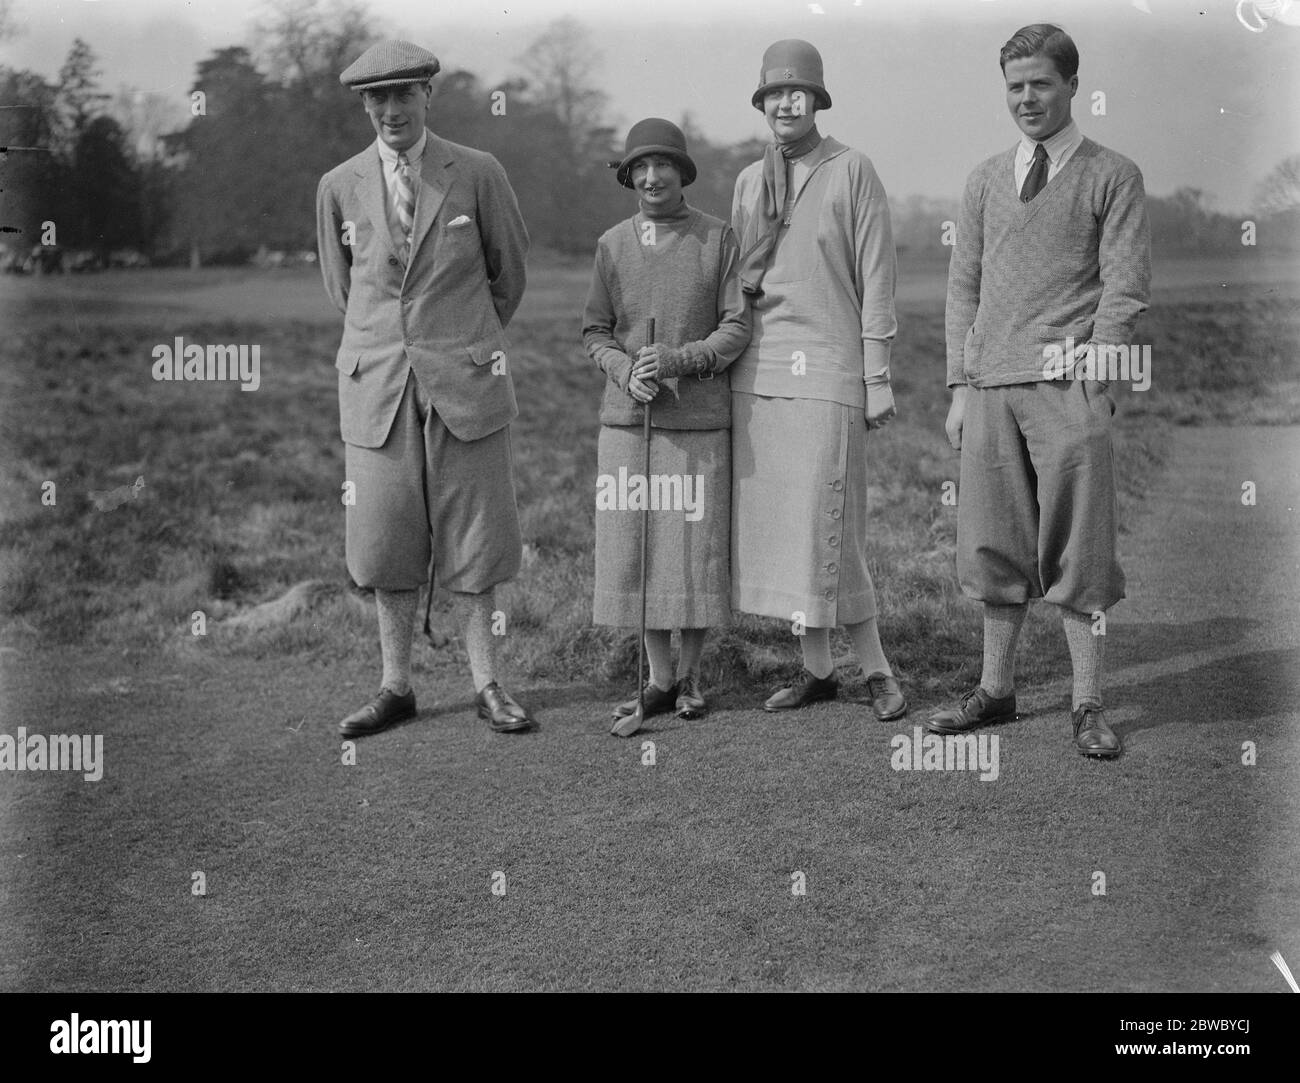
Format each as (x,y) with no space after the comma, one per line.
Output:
(561,63)
(1280,190)
(308,42)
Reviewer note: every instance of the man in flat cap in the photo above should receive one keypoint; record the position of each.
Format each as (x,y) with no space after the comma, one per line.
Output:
(422,248)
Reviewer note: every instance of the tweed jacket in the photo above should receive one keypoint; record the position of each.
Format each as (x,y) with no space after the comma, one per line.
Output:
(443,315)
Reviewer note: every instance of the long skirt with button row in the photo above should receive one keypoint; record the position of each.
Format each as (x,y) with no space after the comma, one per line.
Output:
(799,511)
(688,579)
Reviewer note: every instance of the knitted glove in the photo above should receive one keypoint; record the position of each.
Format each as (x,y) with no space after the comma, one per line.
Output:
(616,365)
(690,359)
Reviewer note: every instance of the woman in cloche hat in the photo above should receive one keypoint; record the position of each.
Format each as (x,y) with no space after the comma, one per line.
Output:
(678,267)
(817,259)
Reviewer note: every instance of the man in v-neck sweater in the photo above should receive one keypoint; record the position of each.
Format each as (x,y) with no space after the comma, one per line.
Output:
(1052,248)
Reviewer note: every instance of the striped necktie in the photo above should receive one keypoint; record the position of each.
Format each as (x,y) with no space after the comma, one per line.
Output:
(405,201)
(1037,175)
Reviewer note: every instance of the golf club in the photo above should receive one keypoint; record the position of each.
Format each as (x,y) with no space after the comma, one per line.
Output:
(629,724)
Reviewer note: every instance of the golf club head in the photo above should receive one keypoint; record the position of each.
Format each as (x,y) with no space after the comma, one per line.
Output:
(629,723)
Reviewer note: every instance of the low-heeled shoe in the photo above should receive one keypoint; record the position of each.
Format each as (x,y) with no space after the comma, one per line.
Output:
(690,700)
(978,708)
(887,699)
(657,701)
(808,689)
(1092,736)
(500,711)
(380,713)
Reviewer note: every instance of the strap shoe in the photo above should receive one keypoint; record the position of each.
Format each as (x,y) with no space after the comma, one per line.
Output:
(657,701)
(690,700)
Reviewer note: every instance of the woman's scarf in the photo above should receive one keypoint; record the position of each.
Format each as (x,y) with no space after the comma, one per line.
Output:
(762,229)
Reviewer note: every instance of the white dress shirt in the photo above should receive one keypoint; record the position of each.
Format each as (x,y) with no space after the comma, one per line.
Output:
(388,158)
(1059,148)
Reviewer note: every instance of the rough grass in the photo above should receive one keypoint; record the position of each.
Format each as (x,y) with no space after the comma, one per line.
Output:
(221,754)
(241,495)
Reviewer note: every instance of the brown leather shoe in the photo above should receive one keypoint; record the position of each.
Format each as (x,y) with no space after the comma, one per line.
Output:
(887,700)
(500,711)
(657,701)
(690,700)
(808,689)
(978,708)
(1092,736)
(380,713)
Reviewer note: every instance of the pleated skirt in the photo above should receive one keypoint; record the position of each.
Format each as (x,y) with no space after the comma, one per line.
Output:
(688,565)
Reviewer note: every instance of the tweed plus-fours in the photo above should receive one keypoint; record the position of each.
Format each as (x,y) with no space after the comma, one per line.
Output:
(1037,499)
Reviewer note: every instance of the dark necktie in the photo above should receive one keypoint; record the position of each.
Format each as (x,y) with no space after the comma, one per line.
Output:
(1037,175)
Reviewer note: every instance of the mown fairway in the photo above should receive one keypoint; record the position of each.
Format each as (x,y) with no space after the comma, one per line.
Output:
(221,754)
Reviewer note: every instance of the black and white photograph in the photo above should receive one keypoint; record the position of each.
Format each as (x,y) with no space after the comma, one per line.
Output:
(739,496)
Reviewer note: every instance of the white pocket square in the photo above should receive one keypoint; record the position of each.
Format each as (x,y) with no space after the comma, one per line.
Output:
(459,220)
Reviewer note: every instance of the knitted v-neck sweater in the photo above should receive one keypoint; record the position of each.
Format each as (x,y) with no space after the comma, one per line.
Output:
(1075,262)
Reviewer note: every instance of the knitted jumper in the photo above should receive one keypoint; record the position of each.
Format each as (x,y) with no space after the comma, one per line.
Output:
(1075,262)
(687,279)
(825,320)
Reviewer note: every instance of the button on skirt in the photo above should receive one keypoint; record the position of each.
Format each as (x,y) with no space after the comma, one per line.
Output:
(799,511)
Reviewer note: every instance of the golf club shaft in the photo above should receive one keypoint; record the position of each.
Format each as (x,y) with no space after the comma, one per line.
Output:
(645,537)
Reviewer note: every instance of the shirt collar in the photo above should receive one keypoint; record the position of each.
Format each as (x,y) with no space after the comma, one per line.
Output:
(389,156)
(1056,146)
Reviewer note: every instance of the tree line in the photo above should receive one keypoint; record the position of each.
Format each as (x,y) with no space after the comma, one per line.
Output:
(239,176)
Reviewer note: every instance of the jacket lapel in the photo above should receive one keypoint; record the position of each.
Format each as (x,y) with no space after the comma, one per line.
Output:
(435,179)
(370,190)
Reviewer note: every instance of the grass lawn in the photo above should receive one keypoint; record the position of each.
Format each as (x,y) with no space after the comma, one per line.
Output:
(241,496)
(222,756)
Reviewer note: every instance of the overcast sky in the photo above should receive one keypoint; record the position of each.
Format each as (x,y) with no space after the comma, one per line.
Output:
(1191,95)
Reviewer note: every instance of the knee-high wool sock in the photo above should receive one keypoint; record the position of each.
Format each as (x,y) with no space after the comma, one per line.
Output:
(396,611)
(1002,625)
(1087,654)
(475,614)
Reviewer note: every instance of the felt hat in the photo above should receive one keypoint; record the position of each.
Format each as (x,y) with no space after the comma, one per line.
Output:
(792,62)
(654,136)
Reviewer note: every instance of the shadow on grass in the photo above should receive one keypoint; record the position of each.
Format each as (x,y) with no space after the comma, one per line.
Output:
(1228,691)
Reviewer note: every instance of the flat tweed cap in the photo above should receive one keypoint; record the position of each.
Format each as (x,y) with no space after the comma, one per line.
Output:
(390,63)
